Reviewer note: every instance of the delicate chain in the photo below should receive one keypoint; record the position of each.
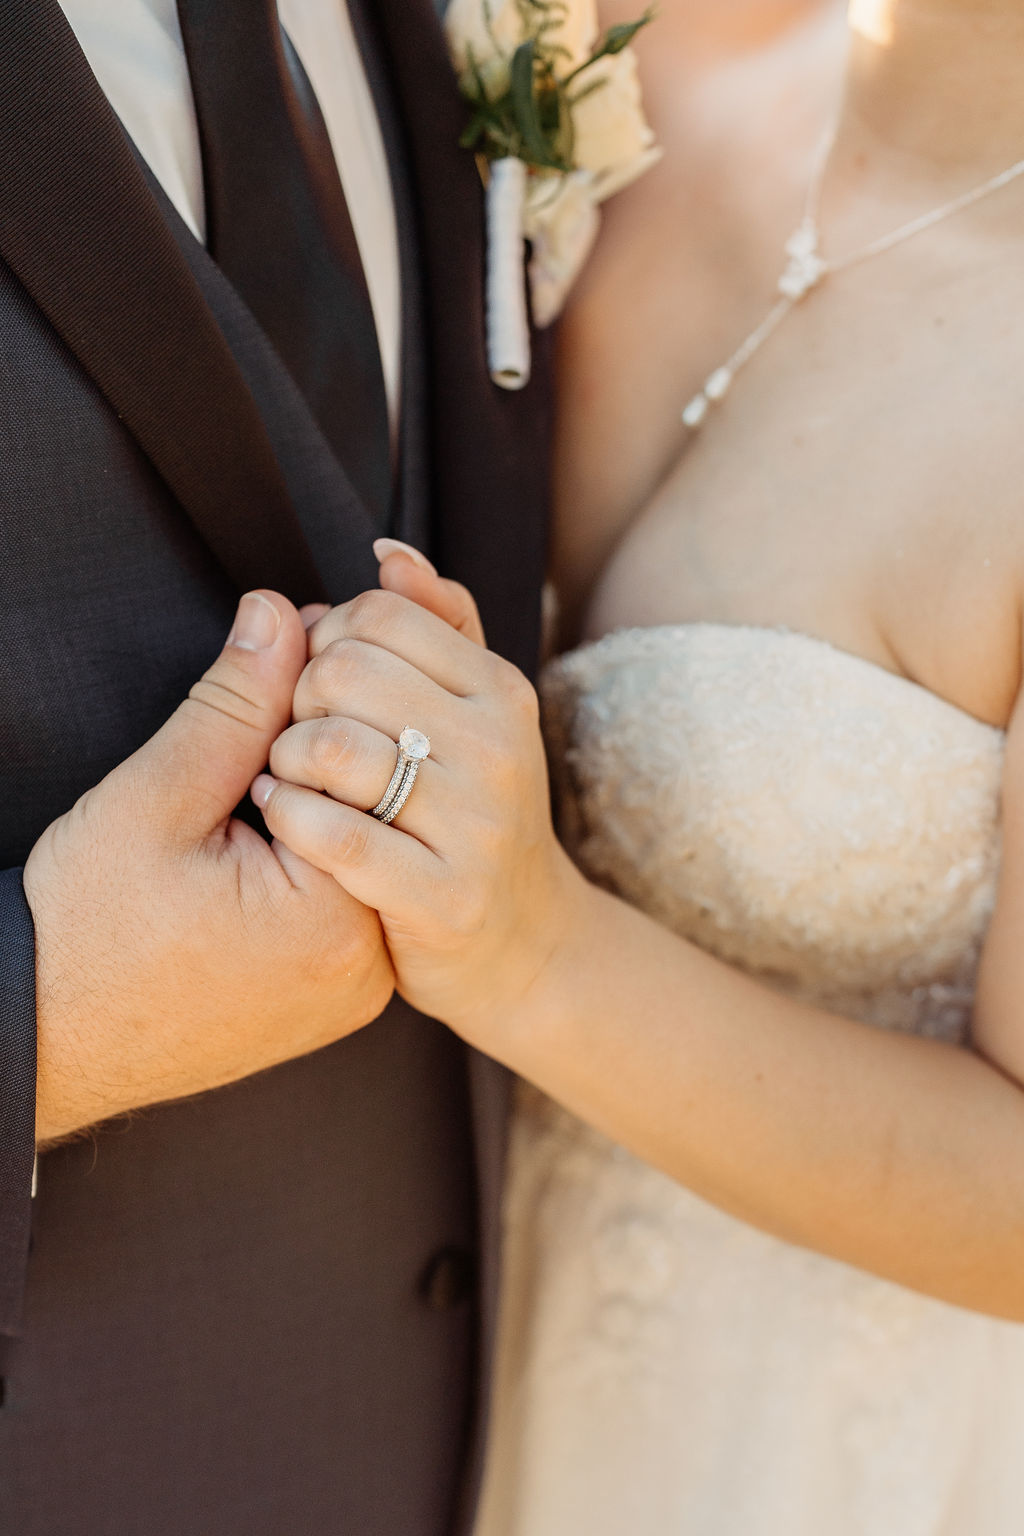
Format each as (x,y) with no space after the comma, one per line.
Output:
(806,268)
(926,220)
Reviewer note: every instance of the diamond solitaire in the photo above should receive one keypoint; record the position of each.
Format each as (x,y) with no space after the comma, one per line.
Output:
(414,745)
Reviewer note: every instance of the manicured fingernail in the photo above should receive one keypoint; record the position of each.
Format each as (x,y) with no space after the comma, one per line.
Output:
(262,788)
(384,547)
(256,625)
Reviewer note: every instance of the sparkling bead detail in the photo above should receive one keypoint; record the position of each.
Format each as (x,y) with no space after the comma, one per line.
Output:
(696,411)
(805,268)
(414,744)
(717,387)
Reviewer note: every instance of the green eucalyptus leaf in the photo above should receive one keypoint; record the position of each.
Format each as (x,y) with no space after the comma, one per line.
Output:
(525,106)
(584,91)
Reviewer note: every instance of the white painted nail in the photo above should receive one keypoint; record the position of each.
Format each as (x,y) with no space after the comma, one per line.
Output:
(384,547)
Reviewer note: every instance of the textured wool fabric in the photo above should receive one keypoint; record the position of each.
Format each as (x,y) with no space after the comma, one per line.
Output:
(17,1090)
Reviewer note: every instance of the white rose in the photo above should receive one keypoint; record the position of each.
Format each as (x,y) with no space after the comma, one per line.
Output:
(492,30)
(613,140)
(561,222)
(576,34)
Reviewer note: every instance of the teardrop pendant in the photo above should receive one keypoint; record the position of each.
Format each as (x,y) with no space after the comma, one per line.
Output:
(806,267)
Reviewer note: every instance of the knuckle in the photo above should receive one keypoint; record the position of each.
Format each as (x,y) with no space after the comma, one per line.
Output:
(373,613)
(331,671)
(329,747)
(518,692)
(348,841)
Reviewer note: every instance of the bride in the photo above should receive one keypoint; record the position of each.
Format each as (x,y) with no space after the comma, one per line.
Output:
(765,1269)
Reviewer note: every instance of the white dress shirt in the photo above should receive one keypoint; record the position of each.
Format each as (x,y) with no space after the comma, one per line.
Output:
(136,52)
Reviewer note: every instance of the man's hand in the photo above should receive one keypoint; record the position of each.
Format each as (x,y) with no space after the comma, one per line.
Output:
(176,951)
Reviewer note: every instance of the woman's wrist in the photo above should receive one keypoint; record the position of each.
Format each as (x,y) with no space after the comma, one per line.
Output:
(542,996)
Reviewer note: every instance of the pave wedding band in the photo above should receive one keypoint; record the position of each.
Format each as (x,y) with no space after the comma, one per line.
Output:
(413,747)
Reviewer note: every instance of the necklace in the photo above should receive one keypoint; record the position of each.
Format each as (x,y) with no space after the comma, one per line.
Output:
(806,268)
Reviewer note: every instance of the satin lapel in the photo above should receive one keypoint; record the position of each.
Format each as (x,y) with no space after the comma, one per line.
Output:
(82,232)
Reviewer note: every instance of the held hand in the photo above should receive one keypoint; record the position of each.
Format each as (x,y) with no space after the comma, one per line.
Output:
(176,951)
(471,884)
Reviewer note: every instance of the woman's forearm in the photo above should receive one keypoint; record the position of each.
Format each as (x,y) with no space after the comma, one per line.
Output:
(898,1154)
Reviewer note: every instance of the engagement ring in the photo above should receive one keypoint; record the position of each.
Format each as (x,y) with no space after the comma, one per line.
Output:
(413,747)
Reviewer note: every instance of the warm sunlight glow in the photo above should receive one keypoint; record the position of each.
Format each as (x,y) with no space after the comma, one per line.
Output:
(872,19)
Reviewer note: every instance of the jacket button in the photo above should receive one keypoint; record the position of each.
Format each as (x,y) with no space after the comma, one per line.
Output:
(449,1279)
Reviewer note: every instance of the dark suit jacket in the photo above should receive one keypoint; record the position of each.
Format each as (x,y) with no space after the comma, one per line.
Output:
(265,1310)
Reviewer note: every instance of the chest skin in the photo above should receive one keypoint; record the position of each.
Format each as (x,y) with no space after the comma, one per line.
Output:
(858,485)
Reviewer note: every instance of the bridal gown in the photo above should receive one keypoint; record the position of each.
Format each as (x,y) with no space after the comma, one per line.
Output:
(664,1369)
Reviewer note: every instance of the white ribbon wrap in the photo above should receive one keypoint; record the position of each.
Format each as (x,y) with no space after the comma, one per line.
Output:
(508,328)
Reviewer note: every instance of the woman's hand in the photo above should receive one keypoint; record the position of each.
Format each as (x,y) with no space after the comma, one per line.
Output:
(471,884)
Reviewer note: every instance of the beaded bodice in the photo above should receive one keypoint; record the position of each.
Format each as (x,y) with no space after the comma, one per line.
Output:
(796,810)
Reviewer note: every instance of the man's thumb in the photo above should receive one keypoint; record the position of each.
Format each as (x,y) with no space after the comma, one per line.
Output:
(200,765)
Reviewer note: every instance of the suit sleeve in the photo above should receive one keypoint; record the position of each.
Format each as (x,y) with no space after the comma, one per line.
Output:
(17,1092)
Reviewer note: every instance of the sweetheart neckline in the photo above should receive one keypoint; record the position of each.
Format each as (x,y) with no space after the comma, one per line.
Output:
(782,631)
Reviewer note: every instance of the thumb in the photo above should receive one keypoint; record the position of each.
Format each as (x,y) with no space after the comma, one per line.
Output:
(197,768)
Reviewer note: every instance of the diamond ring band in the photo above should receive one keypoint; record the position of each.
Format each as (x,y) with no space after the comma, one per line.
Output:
(413,748)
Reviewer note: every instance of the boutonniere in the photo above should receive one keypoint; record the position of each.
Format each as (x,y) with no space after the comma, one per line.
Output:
(557,126)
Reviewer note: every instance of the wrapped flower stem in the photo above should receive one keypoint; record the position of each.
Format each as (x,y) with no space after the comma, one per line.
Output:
(557,117)
(508,330)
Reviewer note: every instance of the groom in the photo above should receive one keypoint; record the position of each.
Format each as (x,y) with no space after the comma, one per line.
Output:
(260,1306)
